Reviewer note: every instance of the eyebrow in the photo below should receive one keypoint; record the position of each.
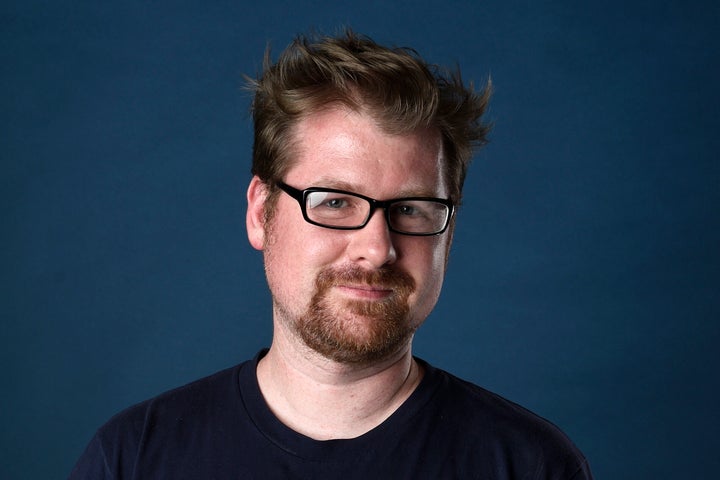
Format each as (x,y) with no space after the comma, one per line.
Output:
(324,182)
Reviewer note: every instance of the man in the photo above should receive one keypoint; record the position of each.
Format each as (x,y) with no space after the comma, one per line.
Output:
(359,159)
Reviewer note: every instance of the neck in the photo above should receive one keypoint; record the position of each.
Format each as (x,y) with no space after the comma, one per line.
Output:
(324,400)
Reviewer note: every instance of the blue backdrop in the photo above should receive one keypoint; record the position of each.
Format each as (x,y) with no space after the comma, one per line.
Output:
(584,282)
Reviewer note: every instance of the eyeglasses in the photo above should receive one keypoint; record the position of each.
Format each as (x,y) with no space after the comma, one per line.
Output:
(341,210)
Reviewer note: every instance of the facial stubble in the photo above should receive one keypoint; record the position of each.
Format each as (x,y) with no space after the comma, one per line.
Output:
(351,331)
(358,331)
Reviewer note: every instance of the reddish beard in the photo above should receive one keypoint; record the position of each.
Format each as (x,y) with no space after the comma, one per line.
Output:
(358,331)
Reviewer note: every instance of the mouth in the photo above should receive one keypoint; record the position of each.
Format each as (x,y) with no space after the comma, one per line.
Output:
(377,287)
(366,292)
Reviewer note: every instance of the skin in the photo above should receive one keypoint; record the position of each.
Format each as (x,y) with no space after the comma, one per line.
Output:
(339,148)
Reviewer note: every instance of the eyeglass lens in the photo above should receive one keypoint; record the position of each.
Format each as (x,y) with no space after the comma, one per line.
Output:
(344,210)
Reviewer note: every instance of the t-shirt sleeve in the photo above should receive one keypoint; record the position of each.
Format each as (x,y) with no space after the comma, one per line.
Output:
(583,472)
(92,464)
(113,451)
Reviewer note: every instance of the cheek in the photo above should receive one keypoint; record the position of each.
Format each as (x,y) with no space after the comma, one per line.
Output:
(293,258)
(436,276)
(427,264)
(433,254)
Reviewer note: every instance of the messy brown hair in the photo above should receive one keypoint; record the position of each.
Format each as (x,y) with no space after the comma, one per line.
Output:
(401,91)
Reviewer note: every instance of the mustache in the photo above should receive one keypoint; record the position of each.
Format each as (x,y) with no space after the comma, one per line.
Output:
(386,278)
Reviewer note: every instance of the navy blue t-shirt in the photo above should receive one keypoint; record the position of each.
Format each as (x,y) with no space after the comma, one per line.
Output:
(220,427)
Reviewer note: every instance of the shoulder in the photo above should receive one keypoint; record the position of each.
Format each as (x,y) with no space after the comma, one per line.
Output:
(117,444)
(481,407)
(178,403)
(489,422)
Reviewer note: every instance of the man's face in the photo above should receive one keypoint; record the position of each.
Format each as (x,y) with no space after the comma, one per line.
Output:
(354,296)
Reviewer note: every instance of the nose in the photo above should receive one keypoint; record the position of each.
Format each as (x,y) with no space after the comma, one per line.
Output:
(373,244)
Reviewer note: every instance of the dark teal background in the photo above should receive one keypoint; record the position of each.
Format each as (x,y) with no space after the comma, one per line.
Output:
(584,282)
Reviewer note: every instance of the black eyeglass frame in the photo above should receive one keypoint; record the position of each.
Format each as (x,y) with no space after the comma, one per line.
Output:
(301,197)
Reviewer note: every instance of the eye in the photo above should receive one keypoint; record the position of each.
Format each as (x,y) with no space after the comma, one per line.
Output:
(410,210)
(336,203)
(327,200)
(333,206)
(407,210)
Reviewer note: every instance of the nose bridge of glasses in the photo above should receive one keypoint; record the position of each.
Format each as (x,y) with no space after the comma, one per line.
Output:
(383,205)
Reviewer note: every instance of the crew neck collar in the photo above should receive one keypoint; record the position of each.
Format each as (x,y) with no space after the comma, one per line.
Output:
(305,447)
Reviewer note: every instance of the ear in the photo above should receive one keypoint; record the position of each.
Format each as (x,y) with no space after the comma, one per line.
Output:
(255,218)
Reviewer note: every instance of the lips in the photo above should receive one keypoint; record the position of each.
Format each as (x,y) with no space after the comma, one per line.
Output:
(370,292)
(355,283)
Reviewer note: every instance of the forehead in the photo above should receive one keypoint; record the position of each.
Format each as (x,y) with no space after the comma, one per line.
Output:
(341,147)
